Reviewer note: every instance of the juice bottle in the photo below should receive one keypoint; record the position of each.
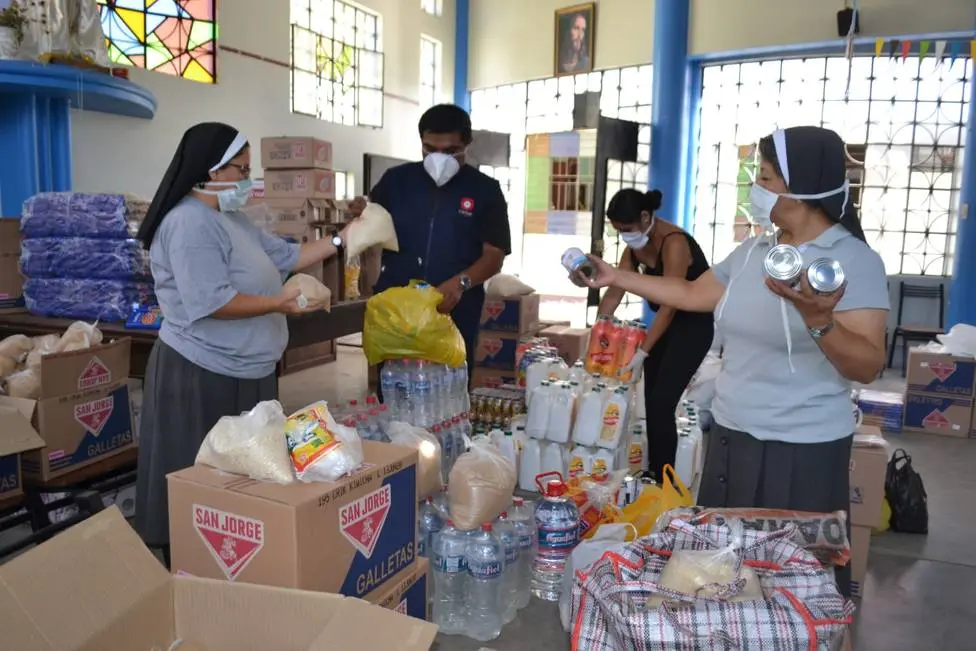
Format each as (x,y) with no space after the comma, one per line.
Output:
(603,465)
(615,340)
(614,420)
(597,356)
(589,417)
(632,339)
(580,461)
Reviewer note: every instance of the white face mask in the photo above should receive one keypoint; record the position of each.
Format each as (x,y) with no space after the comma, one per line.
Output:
(234,197)
(762,201)
(638,240)
(441,167)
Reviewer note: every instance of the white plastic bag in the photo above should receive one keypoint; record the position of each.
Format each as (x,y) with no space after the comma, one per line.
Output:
(701,389)
(252,444)
(429,478)
(79,336)
(588,552)
(321,449)
(501,285)
(374,226)
(480,486)
(16,347)
(43,345)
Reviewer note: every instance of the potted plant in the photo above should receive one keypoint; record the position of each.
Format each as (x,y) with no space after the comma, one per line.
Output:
(13,21)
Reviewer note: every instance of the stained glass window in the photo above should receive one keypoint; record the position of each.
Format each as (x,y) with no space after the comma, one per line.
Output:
(430,71)
(176,37)
(336,62)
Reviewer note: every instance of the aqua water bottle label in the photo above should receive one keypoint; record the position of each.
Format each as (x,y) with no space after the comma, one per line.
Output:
(450,564)
(558,538)
(485,569)
(422,387)
(422,547)
(525,541)
(511,554)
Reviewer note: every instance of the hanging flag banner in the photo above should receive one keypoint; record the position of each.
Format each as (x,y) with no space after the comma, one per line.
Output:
(954,48)
(906,48)
(893,48)
(940,48)
(923,49)
(972,49)
(878,47)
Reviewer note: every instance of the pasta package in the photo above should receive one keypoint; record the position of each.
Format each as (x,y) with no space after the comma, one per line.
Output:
(321,449)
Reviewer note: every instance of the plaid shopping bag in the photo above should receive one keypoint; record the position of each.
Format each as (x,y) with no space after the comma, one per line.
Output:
(802,611)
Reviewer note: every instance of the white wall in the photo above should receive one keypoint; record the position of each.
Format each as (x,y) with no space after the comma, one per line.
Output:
(116,154)
(512,40)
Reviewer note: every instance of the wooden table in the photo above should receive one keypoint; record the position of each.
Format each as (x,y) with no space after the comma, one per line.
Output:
(308,344)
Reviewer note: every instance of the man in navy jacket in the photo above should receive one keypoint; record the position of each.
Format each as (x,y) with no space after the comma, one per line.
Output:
(451,221)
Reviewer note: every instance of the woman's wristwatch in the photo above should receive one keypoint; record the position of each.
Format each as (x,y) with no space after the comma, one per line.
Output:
(818,333)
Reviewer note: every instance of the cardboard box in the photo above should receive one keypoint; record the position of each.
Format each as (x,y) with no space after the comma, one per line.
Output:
(349,536)
(492,378)
(11,282)
(941,374)
(84,414)
(860,547)
(885,409)
(570,342)
(299,184)
(518,314)
(407,592)
(868,466)
(288,153)
(95,587)
(295,215)
(937,414)
(17,435)
(497,350)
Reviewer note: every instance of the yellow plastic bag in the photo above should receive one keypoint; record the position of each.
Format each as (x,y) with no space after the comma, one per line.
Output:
(656,499)
(404,322)
(884,521)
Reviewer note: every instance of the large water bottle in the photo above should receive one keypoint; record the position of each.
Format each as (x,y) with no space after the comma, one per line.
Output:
(429,522)
(450,580)
(420,400)
(558,523)
(485,562)
(510,546)
(523,521)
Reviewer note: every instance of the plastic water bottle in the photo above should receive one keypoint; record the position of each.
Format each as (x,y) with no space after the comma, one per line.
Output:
(558,523)
(420,400)
(510,546)
(461,427)
(450,580)
(388,384)
(523,521)
(429,522)
(485,562)
(440,501)
(436,380)
(404,390)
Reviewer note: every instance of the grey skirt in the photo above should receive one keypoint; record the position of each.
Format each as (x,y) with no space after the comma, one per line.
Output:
(181,402)
(743,471)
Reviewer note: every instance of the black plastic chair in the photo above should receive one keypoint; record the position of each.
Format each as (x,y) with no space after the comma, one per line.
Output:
(915,333)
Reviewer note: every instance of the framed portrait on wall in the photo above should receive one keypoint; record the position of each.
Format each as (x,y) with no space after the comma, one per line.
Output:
(575,39)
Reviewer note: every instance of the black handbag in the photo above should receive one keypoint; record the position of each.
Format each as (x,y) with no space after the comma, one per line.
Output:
(906,495)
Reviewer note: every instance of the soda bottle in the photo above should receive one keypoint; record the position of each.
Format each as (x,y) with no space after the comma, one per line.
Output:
(450,580)
(485,562)
(510,546)
(557,520)
(523,521)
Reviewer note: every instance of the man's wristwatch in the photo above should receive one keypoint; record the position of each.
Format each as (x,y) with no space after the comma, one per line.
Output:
(818,333)
(337,241)
(465,281)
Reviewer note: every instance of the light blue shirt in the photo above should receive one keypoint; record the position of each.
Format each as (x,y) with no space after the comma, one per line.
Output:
(756,391)
(200,260)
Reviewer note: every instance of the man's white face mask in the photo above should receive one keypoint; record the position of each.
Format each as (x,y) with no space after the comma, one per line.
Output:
(441,167)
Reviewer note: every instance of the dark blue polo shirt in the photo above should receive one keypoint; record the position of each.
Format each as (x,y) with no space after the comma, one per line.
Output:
(441,231)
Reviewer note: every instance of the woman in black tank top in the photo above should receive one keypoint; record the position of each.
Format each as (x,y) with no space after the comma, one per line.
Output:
(677,342)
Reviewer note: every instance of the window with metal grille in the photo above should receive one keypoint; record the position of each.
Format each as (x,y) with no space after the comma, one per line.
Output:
(432,7)
(430,71)
(546,106)
(904,124)
(336,62)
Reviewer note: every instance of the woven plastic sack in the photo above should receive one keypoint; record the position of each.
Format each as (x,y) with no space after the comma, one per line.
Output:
(404,322)
(802,608)
(252,444)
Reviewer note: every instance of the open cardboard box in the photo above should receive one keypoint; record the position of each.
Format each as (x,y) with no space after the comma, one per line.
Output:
(96,587)
(17,435)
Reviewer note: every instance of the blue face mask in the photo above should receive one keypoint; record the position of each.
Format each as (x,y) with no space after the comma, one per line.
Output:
(233,197)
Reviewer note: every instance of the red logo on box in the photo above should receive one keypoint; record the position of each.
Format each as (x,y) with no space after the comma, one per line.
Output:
(936,419)
(494,309)
(401,607)
(232,540)
(298,150)
(96,374)
(942,371)
(361,521)
(94,414)
(491,346)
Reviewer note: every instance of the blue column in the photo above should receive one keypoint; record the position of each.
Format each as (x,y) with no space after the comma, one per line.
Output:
(668,99)
(962,286)
(462,96)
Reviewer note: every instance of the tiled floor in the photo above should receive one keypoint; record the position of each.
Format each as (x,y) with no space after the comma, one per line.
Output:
(921,590)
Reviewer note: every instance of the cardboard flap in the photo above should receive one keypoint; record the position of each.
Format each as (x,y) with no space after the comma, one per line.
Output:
(357,624)
(16,432)
(67,591)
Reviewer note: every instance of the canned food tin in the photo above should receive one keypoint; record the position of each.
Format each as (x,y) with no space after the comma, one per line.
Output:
(825,276)
(575,260)
(783,262)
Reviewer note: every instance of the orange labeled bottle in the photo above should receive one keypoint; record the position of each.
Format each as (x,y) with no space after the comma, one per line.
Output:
(596,355)
(633,337)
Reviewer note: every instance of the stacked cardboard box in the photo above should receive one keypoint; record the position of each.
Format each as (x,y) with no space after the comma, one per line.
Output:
(11,282)
(356,536)
(869,460)
(570,342)
(883,409)
(504,321)
(940,394)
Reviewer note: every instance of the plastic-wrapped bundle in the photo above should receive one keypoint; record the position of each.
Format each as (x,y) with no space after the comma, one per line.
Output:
(76,214)
(92,300)
(84,257)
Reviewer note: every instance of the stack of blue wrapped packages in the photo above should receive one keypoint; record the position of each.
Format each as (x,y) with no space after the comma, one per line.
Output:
(80,259)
